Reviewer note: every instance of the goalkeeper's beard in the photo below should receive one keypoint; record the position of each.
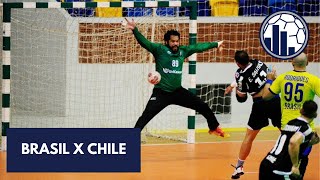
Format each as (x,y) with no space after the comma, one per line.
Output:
(174,49)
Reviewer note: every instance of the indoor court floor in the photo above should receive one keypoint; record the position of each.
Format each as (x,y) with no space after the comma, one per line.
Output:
(180,161)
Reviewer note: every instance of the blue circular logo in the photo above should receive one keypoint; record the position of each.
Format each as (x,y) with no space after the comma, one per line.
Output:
(284,35)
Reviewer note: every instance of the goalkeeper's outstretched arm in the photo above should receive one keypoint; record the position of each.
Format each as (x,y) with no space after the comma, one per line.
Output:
(200,47)
(144,42)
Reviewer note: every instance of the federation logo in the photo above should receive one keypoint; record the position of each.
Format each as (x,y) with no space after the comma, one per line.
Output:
(284,35)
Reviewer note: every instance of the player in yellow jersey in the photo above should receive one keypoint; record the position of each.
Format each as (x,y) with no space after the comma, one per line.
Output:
(295,87)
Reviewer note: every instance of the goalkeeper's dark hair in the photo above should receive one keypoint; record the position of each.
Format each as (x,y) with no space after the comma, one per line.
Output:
(169,33)
(309,109)
(241,57)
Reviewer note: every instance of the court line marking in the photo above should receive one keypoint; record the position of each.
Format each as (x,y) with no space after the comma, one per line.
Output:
(218,142)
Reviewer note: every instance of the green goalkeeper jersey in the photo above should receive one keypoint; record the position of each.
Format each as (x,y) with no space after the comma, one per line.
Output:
(170,64)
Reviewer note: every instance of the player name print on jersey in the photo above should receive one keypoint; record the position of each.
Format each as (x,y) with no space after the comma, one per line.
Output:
(252,79)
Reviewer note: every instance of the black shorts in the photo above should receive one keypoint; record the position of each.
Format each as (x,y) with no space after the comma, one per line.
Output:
(264,110)
(266,172)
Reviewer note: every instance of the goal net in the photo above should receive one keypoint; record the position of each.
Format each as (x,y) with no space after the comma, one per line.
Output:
(74,70)
(70,68)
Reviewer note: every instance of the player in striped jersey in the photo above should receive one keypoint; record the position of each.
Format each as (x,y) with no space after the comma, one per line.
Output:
(250,79)
(283,161)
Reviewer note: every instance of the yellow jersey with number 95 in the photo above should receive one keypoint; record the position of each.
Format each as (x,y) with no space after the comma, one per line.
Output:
(295,87)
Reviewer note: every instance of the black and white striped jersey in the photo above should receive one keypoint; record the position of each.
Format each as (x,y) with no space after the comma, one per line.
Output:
(279,155)
(251,79)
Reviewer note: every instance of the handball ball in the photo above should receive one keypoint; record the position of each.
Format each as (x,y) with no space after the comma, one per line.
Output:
(154,77)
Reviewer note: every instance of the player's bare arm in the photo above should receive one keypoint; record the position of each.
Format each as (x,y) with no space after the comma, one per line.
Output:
(294,148)
(267,94)
(229,89)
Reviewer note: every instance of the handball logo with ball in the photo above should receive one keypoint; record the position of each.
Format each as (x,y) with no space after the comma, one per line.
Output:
(284,35)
